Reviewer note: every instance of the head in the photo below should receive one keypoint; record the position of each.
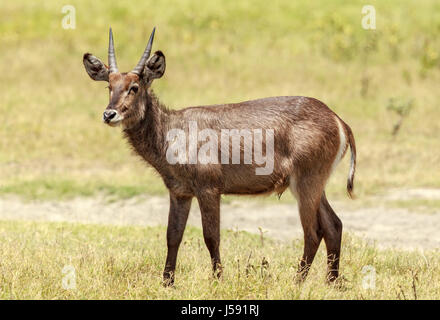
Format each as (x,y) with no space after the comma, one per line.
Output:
(125,88)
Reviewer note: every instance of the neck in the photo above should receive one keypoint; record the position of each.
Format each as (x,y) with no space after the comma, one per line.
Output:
(146,133)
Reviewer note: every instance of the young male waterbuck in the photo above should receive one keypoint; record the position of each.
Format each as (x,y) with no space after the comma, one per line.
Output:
(308,142)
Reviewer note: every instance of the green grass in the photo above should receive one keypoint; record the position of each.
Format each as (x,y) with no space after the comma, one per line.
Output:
(53,142)
(54,146)
(112,262)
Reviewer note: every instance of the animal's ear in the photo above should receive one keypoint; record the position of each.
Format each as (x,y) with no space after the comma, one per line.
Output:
(155,67)
(97,70)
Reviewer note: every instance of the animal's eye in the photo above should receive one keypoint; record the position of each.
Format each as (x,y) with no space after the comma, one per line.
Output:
(133,89)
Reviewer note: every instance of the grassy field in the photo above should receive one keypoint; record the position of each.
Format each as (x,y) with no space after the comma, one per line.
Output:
(53,142)
(73,261)
(384,83)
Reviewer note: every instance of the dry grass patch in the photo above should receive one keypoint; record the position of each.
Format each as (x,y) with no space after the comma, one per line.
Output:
(126,263)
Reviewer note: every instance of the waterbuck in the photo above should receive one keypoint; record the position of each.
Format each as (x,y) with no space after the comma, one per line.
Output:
(309,141)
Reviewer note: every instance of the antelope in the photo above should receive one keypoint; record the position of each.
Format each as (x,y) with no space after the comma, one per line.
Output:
(309,142)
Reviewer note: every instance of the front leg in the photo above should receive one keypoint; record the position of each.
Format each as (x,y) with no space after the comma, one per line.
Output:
(209,203)
(178,215)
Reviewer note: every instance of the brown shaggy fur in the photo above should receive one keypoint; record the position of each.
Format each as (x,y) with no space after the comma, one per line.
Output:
(306,142)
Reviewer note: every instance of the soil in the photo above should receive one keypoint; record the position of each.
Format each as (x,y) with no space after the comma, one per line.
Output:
(387,227)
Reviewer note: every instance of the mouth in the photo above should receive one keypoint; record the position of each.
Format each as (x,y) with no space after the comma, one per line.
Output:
(113,123)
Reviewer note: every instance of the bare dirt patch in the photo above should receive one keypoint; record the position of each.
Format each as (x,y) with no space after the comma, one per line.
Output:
(387,227)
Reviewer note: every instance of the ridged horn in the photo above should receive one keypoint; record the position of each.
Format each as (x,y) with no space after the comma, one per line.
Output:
(111,54)
(141,64)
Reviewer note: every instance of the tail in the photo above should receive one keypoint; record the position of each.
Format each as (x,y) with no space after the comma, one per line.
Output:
(350,179)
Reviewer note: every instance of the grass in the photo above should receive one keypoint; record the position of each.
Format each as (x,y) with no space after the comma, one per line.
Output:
(54,145)
(113,262)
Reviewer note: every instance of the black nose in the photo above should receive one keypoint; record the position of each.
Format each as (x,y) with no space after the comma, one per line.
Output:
(108,115)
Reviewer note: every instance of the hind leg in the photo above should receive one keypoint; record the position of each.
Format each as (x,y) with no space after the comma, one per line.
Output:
(308,193)
(332,231)
(209,203)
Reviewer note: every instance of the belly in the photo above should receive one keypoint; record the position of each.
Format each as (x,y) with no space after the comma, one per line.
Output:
(243,180)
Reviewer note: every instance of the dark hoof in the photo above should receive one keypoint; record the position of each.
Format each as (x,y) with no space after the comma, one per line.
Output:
(168,279)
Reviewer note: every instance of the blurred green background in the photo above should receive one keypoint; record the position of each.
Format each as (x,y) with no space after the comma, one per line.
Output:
(384,83)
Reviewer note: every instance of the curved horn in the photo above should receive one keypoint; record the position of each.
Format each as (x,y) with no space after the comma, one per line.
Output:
(141,64)
(111,54)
